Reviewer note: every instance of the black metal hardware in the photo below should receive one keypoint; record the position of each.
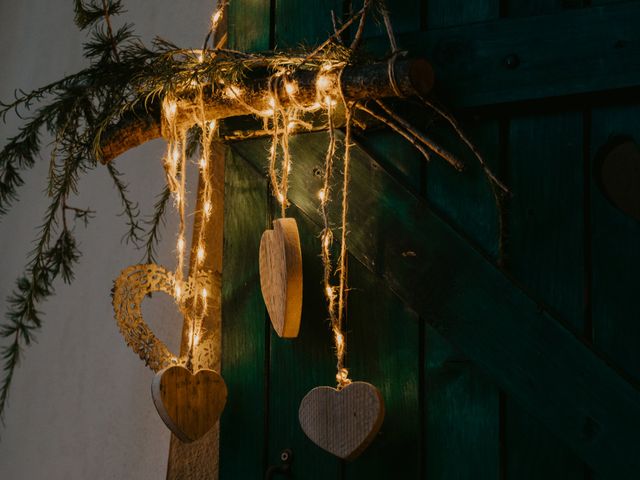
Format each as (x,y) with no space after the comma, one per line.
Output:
(286,457)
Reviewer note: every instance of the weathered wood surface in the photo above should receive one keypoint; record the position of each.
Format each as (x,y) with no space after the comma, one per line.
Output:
(342,422)
(189,404)
(480,310)
(545,252)
(572,52)
(281,276)
(358,82)
(199,460)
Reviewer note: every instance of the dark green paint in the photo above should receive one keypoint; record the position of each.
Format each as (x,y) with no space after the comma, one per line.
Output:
(577,51)
(497,325)
(545,251)
(243,325)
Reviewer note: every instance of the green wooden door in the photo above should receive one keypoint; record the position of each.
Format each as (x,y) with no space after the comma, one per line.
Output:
(469,382)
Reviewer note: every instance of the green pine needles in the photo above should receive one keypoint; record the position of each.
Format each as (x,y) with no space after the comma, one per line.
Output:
(124,76)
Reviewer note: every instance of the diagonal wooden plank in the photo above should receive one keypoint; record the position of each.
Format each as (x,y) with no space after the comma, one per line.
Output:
(572,52)
(434,270)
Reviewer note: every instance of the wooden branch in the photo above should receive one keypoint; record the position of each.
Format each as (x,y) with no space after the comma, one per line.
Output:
(412,77)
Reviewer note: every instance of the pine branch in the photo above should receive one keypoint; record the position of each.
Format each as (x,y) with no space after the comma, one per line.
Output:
(130,209)
(156,222)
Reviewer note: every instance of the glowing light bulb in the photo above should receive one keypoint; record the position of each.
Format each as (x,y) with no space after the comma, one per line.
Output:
(216,18)
(180,244)
(178,292)
(340,340)
(204,293)
(203,163)
(329,291)
(291,125)
(212,125)
(321,195)
(323,82)
(291,88)
(207,208)
(170,108)
(200,254)
(233,91)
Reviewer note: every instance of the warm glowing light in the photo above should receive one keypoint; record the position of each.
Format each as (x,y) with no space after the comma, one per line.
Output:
(178,292)
(180,244)
(200,254)
(329,291)
(207,208)
(200,58)
(272,102)
(216,18)
(326,242)
(196,339)
(170,108)
(330,102)
(175,156)
(339,340)
(289,168)
(204,293)
(212,125)
(321,195)
(233,91)
(203,163)
(291,88)
(315,106)
(280,197)
(323,82)
(291,125)
(326,67)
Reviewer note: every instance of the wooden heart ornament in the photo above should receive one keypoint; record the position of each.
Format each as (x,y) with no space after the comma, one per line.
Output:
(190,405)
(281,276)
(342,422)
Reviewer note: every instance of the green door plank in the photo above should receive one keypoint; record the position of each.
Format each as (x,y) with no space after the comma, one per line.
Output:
(305,23)
(300,364)
(572,52)
(242,425)
(470,302)
(545,252)
(383,349)
(462,405)
(615,252)
(529,8)
(248,24)
(243,325)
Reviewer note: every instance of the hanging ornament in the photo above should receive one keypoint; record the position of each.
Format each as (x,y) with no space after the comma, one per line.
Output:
(280,252)
(281,276)
(188,395)
(342,420)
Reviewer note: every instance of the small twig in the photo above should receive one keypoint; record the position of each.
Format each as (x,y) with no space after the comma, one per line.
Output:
(412,139)
(454,124)
(334,21)
(448,156)
(389,28)
(358,36)
(333,37)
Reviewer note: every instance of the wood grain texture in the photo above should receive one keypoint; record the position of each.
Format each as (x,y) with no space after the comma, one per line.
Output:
(599,51)
(343,422)
(545,252)
(199,460)
(281,276)
(468,300)
(189,404)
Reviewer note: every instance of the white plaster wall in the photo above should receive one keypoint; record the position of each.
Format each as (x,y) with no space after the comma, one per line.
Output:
(80,405)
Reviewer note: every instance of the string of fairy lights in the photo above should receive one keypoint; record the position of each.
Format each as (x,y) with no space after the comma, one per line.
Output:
(282,119)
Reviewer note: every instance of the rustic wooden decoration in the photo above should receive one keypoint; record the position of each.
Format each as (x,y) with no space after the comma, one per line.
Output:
(281,276)
(189,404)
(620,177)
(342,422)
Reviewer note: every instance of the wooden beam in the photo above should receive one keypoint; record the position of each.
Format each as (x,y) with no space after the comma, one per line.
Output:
(199,460)
(572,52)
(533,356)
(358,82)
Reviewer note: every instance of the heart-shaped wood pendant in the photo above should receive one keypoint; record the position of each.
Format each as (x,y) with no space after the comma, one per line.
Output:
(281,276)
(190,405)
(342,422)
